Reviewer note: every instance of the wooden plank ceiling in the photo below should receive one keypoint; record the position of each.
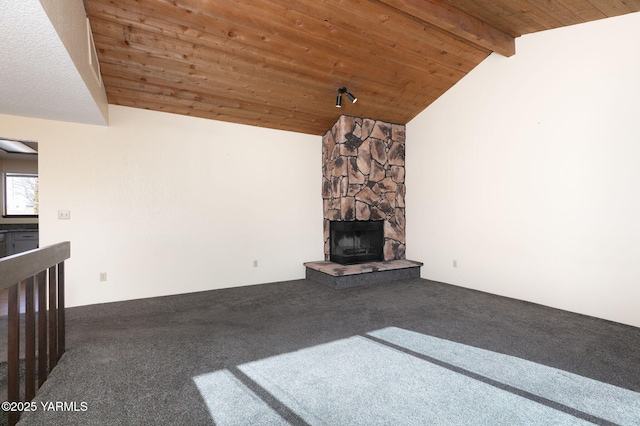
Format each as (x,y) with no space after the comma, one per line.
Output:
(279,64)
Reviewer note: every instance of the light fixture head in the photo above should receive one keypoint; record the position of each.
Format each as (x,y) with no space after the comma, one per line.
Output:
(349,95)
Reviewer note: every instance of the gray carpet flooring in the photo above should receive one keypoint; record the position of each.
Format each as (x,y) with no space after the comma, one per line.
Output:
(410,352)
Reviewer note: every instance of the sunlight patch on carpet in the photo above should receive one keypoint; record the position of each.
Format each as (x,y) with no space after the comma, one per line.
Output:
(358,381)
(590,396)
(230,402)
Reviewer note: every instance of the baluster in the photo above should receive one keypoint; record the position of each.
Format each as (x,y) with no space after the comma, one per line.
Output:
(29,342)
(13,352)
(42,327)
(53,335)
(61,319)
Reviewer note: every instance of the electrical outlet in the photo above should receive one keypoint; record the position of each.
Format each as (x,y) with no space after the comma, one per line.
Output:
(255,263)
(64,214)
(103,276)
(455,263)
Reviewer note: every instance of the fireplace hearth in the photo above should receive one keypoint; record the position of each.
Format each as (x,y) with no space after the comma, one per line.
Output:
(356,241)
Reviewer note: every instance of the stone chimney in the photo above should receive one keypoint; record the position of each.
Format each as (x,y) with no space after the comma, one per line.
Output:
(363,178)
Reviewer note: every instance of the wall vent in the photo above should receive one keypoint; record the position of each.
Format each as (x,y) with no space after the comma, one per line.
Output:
(93,55)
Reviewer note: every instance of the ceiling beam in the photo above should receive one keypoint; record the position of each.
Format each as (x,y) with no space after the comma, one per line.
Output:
(441,15)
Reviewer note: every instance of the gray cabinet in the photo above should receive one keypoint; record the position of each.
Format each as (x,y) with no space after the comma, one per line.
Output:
(3,243)
(19,241)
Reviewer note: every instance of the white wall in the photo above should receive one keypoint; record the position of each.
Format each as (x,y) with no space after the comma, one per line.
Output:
(527,172)
(171,204)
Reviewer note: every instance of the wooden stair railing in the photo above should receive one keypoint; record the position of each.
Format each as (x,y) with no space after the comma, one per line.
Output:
(32,270)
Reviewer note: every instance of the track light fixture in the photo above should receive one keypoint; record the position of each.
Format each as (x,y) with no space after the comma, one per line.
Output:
(342,90)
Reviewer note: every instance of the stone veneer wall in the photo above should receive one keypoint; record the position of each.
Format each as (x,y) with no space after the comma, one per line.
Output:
(363,178)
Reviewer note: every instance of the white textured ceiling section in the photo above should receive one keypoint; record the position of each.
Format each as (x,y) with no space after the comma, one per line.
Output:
(37,75)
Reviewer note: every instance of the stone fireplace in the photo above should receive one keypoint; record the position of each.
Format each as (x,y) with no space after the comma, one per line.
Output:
(363,201)
(363,180)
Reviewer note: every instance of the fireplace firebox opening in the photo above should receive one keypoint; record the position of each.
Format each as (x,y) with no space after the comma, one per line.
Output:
(356,241)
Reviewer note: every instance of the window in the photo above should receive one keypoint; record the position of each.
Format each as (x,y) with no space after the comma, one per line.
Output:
(20,194)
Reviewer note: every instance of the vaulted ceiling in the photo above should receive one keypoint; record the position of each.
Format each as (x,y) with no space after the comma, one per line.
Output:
(279,64)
